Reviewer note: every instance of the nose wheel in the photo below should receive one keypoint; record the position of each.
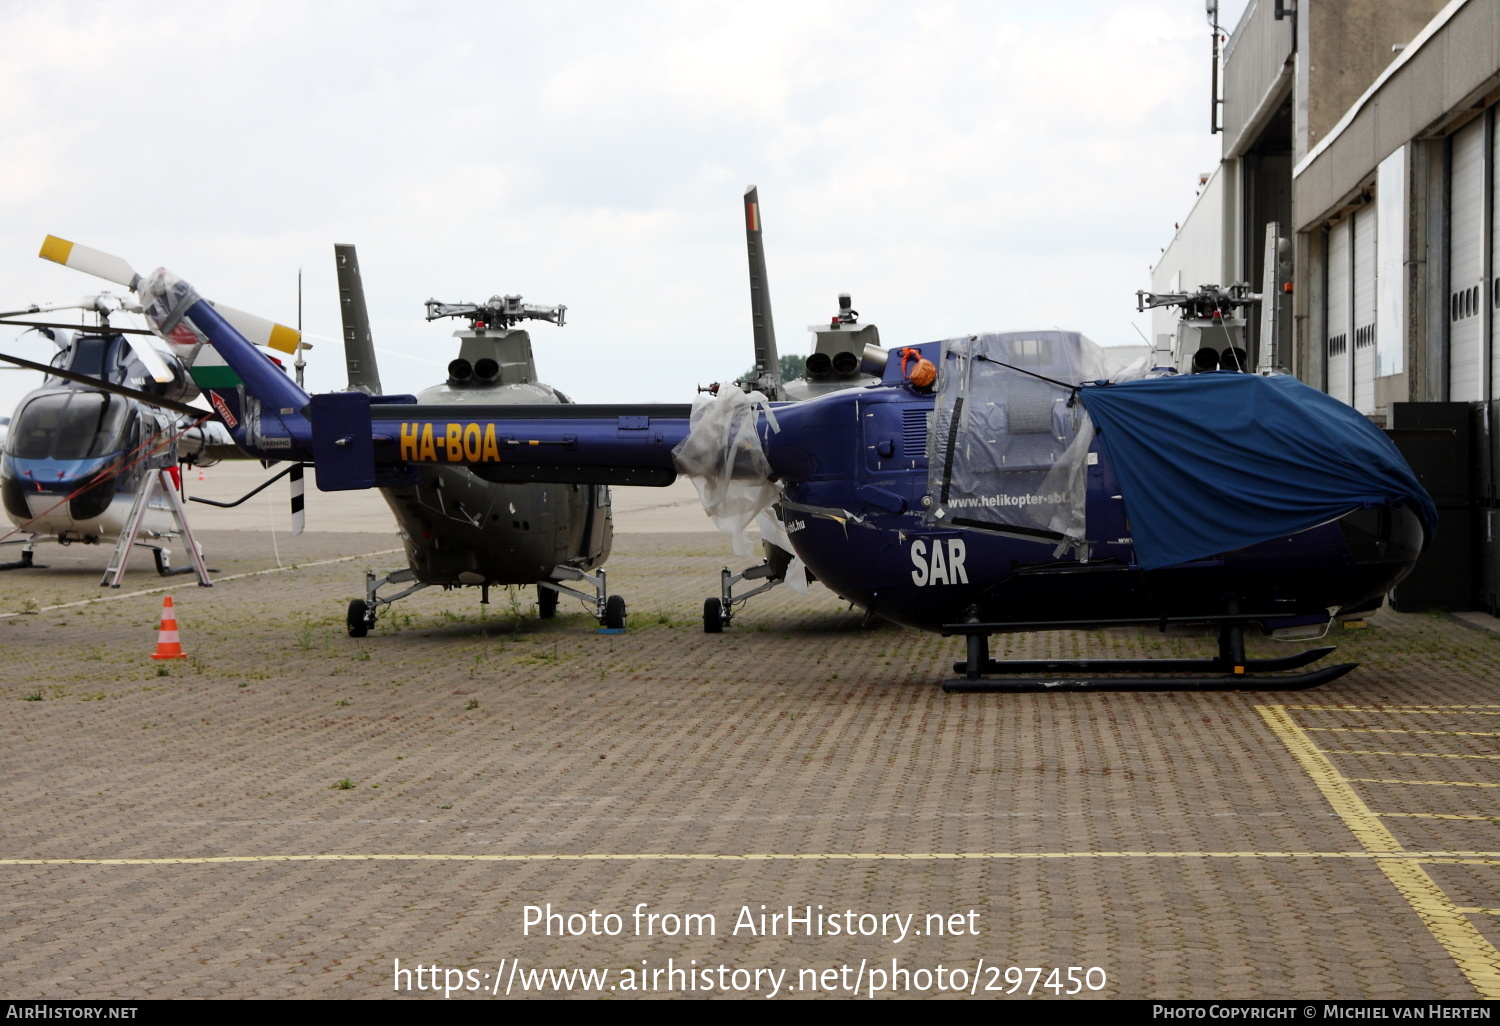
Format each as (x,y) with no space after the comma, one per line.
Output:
(713,616)
(360,619)
(614,613)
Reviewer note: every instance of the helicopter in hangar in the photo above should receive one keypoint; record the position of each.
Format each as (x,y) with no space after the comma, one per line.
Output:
(1017,489)
(458,528)
(82,465)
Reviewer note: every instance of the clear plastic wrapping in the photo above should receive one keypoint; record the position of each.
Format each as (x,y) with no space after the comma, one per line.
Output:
(1010,441)
(723,456)
(165,301)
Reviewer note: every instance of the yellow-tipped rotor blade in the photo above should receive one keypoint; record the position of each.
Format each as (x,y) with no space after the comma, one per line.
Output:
(89,261)
(259,330)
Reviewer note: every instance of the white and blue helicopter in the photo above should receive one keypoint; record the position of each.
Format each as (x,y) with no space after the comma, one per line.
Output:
(93,456)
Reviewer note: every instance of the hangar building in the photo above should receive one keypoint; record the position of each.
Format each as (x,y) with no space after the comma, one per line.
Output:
(1366,130)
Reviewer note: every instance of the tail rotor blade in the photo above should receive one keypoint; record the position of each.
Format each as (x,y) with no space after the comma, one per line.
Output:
(89,261)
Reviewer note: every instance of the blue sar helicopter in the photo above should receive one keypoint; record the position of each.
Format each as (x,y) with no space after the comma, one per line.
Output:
(985,484)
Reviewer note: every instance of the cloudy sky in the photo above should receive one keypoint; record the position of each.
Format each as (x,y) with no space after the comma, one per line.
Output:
(957,167)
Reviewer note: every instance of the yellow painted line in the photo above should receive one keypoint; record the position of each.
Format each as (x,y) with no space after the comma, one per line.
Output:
(1438,815)
(1474,955)
(217,580)
(1434,783)
(1406,755)
(1394,730)
(1421,710)
(1480,911)
(1459,860)
(208,860)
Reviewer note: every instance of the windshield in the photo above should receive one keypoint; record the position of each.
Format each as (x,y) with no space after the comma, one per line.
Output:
(74,425)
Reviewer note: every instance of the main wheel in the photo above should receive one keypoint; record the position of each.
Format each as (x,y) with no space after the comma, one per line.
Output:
(546,602)
(614,613)
(358,618)
(713,616)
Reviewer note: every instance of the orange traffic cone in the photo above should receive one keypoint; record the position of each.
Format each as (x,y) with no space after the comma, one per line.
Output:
(168,646)
(202,476)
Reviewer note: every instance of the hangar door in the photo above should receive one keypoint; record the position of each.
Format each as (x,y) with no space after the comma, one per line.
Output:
(1494,266)
(1467,295)
(1340,384)
(1363,323)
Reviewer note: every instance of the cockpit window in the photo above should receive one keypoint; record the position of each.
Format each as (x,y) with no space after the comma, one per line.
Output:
(67,426)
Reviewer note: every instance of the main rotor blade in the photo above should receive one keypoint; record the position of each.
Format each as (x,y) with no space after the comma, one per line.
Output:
(148,355)
(82,329)
(259,330)
(107,386)
(89,261)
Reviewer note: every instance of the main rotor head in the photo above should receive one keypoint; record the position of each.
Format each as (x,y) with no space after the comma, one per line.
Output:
(498,311)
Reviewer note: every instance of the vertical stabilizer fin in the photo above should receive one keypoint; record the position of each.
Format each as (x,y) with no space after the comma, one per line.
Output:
(359,348)
(767,362)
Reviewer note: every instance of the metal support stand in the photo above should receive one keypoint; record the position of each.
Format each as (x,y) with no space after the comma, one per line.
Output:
(115,572)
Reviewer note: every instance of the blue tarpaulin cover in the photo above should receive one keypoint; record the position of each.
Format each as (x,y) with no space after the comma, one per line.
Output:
(1208,463)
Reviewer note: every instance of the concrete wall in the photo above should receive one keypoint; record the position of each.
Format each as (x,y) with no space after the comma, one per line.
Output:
(1438,83)
(1349,45)
(1453,68)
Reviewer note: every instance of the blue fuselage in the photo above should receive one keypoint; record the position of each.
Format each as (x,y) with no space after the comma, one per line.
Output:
(865,535)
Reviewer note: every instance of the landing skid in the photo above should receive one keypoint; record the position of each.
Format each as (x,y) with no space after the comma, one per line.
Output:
(1290,682)
(26,560)
(1231,671)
